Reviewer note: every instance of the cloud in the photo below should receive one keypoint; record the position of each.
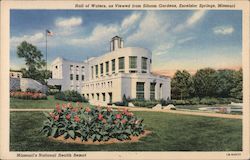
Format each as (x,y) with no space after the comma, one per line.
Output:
(152,26)
(130,20)
(162,49)
(186,39)
(191,21)
(195,17)
(35,39)
(223,30)
(100,36)
(68,22)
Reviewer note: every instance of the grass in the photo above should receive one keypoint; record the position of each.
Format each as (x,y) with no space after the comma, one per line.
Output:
(43,104)
(171,132)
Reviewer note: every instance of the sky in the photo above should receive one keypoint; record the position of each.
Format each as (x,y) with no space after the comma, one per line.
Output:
(178,39)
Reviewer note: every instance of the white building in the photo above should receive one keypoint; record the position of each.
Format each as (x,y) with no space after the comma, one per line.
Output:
(107,78)
(15,74)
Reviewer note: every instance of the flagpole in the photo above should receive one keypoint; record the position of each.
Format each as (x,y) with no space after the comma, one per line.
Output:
(46,49)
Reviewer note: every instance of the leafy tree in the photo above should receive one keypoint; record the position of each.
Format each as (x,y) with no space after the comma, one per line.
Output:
(34,62)
(182,85)
(225,82)
(204,82)
(236,91)
(32,56)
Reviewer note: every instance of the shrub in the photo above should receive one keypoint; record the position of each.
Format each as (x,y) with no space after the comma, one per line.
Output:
(96,124)
(166,102)
(124,100)
(209,101)
(28,95)
(119,103)
(32,90)
(181,102)
(144,103)
(194,101)
(73,96)
(205,101)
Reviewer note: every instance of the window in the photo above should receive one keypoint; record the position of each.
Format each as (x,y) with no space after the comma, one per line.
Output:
(96,71)
(82,77)
(92,72)
(132,71)
(77,77)
(101,69)
(160,96)
(110,97)
(71,76)
(144,63)
(133,62)
(113,66)
(103,97)
(71,67)
(92,95)
(77,68)
(121,63)
(107,68)
(140,90)
(97,96)
(152,91)
(56,67)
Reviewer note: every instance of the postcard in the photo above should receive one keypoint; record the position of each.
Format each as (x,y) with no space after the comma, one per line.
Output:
(125,80)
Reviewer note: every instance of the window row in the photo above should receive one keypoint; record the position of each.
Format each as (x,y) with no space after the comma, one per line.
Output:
(121,66)
(140,90)
(99,85)
(105,97)
(76,67)
(76,77)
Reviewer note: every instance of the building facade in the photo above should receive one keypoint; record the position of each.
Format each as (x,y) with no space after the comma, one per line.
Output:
(15,74)
(107,78)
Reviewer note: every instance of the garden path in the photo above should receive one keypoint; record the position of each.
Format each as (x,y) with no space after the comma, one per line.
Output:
(195,113)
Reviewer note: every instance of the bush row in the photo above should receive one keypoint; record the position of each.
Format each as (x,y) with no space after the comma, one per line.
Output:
(205,101)
(28,95)
(191,101)
(73,96)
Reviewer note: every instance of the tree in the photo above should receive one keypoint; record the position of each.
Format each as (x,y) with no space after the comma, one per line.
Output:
(236,91)
(225,81)
(182,85)
(34,62)
(204,82)
(32,56)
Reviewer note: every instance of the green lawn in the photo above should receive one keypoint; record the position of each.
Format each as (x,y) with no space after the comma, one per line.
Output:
(171,132)
(49,103)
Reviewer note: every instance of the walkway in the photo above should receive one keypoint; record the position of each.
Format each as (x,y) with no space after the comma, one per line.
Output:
(195,113)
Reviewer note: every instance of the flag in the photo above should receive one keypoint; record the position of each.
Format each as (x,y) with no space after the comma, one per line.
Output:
(49,33)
